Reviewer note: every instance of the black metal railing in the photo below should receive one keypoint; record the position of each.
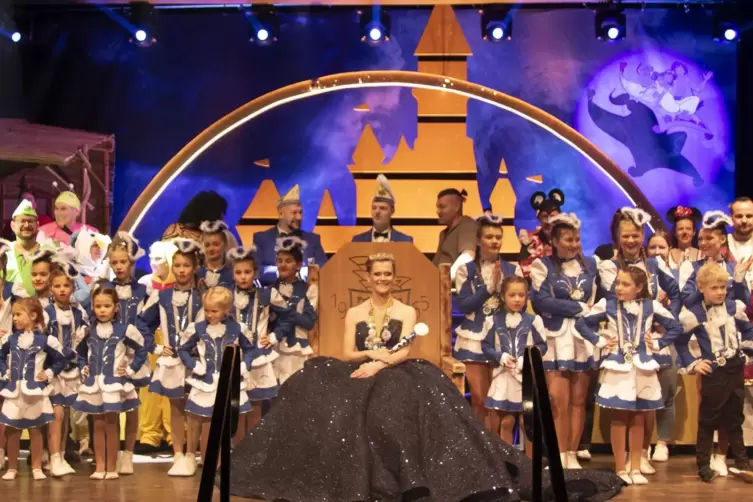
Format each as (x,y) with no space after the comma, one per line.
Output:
(223,426)
(539,427)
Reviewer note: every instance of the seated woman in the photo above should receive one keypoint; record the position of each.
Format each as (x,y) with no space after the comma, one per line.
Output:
(379,426)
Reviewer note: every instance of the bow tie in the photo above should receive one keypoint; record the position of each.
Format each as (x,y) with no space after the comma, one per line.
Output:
(378,235)
(294,233)
(711,305)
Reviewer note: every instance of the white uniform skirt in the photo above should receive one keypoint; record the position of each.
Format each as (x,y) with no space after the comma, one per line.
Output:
(260,382)
(506,390)
(290,360)
(65,388)
(118,398)
(201,402)
(26,412)
(567,351)
(632,389)
(169,378)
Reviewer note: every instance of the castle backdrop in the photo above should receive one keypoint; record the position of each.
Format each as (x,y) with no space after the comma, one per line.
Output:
(661,104)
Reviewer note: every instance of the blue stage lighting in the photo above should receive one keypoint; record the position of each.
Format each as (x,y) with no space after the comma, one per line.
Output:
(16,36)
(611,24)
(496,24)
(375,26)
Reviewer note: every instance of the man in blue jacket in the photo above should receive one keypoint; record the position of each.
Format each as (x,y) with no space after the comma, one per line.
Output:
(382,209)
(290,216)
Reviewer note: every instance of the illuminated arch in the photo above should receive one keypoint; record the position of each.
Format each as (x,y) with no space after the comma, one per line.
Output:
(367,79)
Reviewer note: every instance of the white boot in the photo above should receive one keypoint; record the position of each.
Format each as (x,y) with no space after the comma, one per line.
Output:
(126,463)
(189,462)
(56,466)
(10,475)
(66,466)
(646,467)
(661,453)
(177,467)
(584,455)
(572,460)
(38,475)
(563,460)
(719,464)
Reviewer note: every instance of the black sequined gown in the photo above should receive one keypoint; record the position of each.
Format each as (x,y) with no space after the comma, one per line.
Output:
(406,434)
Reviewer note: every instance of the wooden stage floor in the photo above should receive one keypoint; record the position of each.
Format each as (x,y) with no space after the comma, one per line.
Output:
(675,480)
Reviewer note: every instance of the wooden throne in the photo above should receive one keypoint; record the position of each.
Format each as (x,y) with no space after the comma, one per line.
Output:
(342,285)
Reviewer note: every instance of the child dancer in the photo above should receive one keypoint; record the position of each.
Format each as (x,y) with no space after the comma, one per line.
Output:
(107,389)
(658,247)
(564,285)
(122,255)
(628,234)
(29,360)
(66,322)
(712,239)
(217,271)
(505,345)
(478,284)
(251,309)
(210,337)
(6,324)
(300,315)
(172,311)
(716,322)
(629,383)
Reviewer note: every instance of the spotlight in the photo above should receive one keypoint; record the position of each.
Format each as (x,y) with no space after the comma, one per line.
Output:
(611,24)
(263,26)
(725,26)
(16,36)
(375,26)
(142,23)
(496,24)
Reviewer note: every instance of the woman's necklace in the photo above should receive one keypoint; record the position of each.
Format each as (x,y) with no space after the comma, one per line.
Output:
(372,340)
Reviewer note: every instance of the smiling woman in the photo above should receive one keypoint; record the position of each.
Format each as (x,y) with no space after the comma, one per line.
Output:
(381,426)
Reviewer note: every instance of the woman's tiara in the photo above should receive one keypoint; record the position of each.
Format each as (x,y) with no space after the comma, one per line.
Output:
(382,257)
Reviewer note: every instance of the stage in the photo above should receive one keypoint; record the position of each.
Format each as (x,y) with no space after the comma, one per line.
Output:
(675,479)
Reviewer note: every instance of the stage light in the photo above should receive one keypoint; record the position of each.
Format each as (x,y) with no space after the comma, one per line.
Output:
(263,25)
(375,26)
(611,24)
(726,29)
(496,24)
(141,16)
(16,36)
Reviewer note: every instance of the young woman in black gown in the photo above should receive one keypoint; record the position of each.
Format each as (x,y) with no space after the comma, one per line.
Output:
(379,426)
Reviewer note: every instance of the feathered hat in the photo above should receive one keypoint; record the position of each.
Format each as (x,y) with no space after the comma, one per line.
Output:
(571,220)
(293,197)
(716,220)
(637,215)
(383,191)
(213,227)
(241,253)
(130,243)
(287,244)
(490,220)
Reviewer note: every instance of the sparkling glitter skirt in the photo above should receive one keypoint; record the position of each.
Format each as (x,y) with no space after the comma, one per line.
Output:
(405,433)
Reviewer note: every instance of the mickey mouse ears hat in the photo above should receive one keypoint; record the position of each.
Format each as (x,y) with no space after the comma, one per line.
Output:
(553,202)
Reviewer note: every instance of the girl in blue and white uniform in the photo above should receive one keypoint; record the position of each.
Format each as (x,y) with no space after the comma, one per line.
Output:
(629,382)
(290,325)
(217,269)
(172,311)
(478,286)
(564,288)
(514,329)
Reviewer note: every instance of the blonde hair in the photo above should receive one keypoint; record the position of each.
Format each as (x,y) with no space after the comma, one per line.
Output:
(218,295)
(711,272)
(31,306)
(378,258)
